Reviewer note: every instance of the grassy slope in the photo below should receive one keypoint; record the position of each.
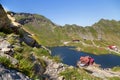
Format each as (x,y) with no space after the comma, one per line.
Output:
(49,34)
(22,52)
(77,74)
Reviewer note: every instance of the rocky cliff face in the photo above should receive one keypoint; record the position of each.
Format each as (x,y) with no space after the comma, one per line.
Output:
(9,25)
(11,47)
(4,21)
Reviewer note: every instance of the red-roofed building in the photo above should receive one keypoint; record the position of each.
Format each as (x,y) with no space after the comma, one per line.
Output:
(113,47)
(86,60)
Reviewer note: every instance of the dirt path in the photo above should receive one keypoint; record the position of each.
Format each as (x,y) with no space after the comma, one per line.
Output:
(13,20)
(17,24)
(83,43)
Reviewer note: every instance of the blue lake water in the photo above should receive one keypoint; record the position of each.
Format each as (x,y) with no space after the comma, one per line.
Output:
(70,57)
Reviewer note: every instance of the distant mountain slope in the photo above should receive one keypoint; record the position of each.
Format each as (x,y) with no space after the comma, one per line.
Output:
(109,30)
(101,34)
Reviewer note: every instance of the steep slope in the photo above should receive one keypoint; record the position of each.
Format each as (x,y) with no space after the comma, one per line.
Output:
(38,25)
(20,51)
(109,31)
(4,21)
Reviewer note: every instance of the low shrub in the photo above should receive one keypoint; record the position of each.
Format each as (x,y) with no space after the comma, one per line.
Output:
(5,61)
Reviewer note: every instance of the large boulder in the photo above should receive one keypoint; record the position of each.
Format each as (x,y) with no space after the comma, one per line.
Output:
(7,74)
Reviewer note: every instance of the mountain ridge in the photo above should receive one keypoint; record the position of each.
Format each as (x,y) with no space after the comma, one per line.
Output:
(50,34)
(17,42)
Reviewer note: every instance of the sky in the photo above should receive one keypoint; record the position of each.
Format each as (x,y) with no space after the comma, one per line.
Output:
(61,12)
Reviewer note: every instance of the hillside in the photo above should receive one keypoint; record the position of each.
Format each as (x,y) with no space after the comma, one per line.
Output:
(92,39)
(23,57)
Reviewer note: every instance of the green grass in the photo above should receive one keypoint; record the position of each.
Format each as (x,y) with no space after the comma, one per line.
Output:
(90,49)
(88,42)
(114,78)
(18,56)
(2,34)
(5,61)
(95,50)
(26,67)
(22,54)
(77,74)
(56,58)
(40,52)
(117,68)
(101,43)
(13,38)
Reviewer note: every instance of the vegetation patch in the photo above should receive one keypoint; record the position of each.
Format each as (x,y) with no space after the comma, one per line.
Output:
(2,34)
(117,68)
(56,58)
(95,50)
(114,78)
(77,74)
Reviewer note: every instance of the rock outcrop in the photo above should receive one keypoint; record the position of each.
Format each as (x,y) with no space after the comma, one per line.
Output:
(6,50)
(53,69)
(10,74)
(4,21)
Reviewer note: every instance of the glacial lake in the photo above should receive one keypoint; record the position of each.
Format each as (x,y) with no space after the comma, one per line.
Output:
(70,57)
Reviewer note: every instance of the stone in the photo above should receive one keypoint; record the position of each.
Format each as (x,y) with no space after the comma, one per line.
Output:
(5,49)
(56,66)
(53,69)
(61,78)
(10,74)
(4,44)
(70,67)
(38,68)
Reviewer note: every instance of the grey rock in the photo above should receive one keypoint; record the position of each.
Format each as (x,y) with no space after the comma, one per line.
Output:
(6,48)
(53,69)
(61,78)
(7,74)
(56,66)
(4,44)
